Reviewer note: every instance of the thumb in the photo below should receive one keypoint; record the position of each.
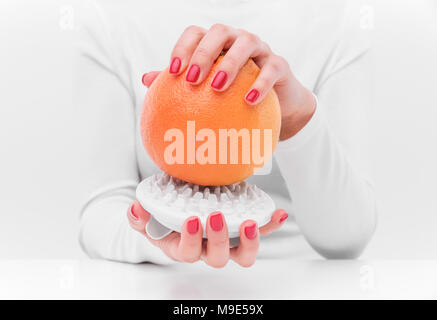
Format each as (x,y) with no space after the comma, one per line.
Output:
(149,77)
(138,217)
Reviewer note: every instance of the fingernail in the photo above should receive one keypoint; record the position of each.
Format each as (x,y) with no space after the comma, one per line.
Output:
(175,65)
(193,73)
(193,226)
(216,221)
(132,208)
(283,218)
(252,96)
(143,79)
(219,80)
(250,231)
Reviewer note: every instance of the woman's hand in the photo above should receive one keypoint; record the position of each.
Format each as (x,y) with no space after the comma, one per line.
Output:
(197,49)
(189,246)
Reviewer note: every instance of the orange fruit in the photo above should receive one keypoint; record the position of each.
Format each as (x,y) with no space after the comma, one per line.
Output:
(173,105)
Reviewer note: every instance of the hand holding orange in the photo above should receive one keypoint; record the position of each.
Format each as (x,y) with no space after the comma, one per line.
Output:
(173,105)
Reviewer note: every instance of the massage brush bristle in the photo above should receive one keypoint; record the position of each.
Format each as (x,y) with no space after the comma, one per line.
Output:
(171,201)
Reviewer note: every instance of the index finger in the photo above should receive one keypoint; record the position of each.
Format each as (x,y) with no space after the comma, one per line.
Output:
(184,48)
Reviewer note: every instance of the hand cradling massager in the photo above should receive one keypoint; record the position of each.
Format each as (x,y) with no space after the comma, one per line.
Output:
(170,201)
(204,169)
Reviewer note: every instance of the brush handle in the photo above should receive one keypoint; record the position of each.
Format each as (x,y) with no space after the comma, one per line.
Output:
(155,230)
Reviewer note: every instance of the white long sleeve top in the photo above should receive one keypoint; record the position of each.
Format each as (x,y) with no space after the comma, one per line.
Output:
(320,176)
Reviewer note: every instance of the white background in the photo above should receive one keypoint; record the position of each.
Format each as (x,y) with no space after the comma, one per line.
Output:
(40,186)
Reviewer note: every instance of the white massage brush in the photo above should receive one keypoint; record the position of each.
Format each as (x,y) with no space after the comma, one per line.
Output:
(171,201)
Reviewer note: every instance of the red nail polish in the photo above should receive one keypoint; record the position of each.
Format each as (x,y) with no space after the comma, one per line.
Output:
(193,73)
(283,218)
(175,65)
(216,221)
(252,96)
(193,226)
(143,79)
(250,231)
(219,80)
(132,212)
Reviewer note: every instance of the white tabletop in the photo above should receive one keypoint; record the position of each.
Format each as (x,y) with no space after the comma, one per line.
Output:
(267,279)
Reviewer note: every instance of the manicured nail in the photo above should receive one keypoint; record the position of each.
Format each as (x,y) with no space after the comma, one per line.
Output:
(193,73)
(250,231)
(252,95)
(175,65)
(219,80)
(216,221)
(283,217)
(143,79)
(193,226)
(132,208)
